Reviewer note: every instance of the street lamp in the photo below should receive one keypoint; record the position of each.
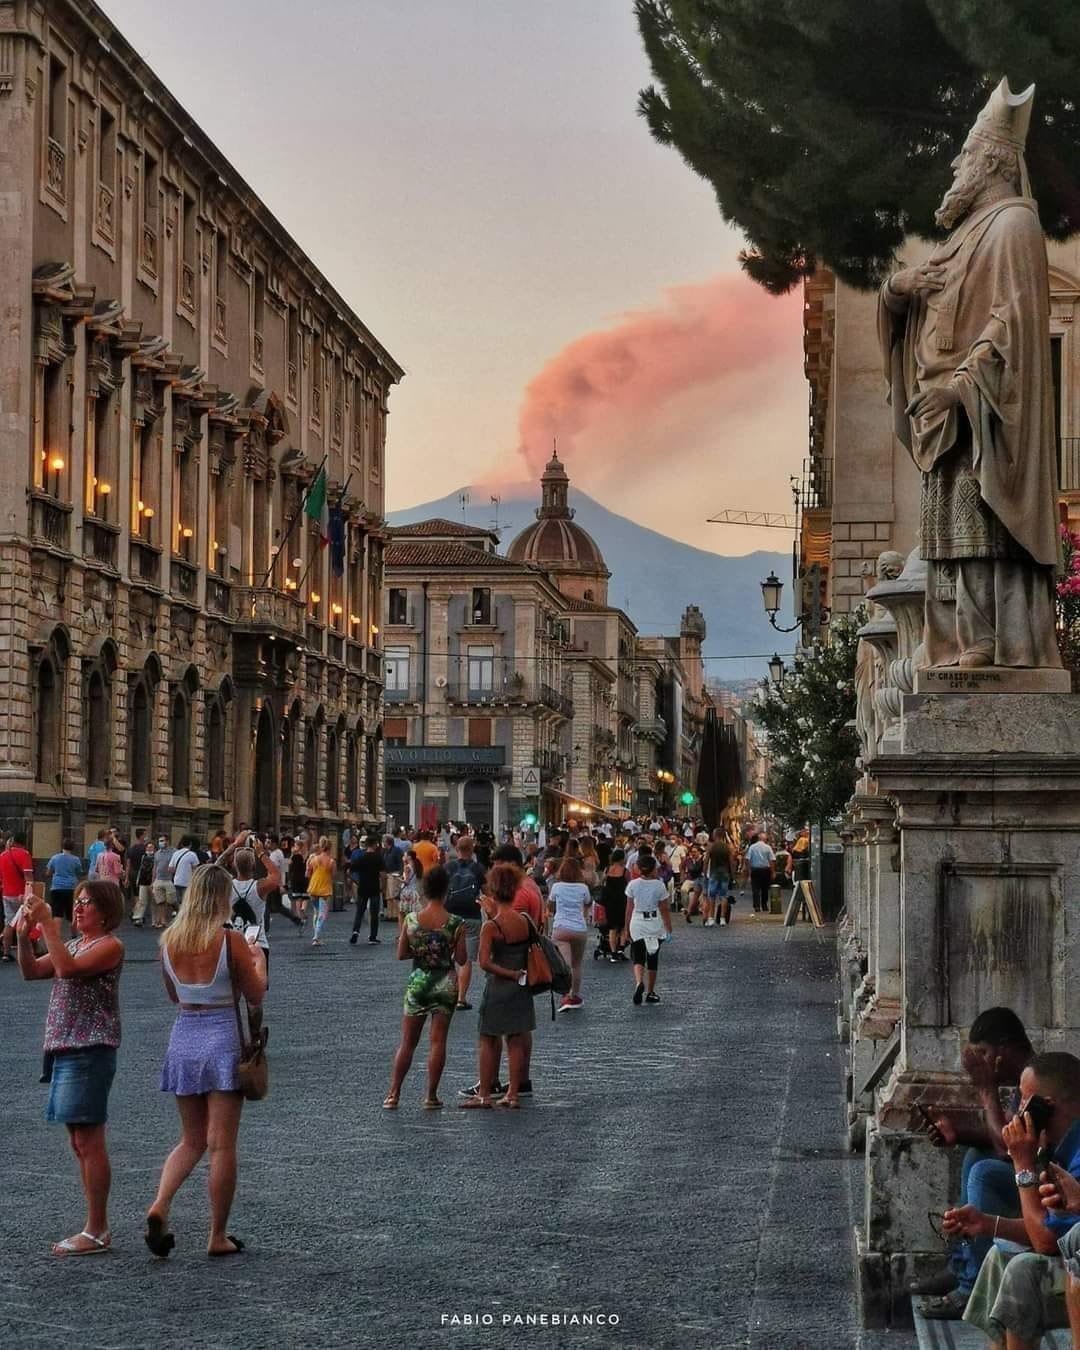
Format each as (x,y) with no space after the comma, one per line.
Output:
(771,590)
(776,669)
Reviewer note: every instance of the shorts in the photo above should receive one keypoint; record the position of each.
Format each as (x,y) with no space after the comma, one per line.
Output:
(472,937)
(11,909)
(79,1086)
(61,903)
(717,888)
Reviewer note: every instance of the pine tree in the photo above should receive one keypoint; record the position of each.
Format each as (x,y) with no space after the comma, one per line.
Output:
(826,127)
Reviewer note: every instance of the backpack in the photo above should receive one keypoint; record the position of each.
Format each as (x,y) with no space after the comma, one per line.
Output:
(146,870)
(463,898)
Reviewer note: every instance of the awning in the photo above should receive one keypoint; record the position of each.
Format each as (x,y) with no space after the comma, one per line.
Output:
(591,807)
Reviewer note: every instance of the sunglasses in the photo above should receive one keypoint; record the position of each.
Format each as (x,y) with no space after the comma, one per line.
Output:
(82,904)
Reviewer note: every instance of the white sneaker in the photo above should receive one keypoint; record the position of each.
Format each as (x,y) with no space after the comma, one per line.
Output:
(710,923)
(723,923)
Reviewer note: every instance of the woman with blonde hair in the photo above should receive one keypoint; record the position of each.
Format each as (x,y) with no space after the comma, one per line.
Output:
(206,967)
(320,871)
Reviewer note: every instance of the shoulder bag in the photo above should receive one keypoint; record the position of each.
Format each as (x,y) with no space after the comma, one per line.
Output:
(252,1070)
(546,970)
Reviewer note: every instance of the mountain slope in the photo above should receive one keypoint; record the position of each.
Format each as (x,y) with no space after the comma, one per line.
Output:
(654,578)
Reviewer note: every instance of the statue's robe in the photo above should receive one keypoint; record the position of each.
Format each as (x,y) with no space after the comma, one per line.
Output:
(988,526)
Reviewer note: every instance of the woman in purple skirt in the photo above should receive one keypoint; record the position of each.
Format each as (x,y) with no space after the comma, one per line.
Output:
(204,1050)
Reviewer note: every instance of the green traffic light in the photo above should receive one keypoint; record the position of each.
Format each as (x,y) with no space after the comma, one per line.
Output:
(686,798)
(530,819)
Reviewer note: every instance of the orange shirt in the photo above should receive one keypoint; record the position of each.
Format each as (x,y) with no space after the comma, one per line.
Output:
(528,900)
(428,854)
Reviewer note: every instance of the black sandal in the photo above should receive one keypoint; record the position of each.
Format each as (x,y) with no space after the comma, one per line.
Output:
(237,1247)
(157,1237)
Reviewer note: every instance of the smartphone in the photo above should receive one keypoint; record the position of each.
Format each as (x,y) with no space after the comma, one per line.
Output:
(1040,1111)
(251,932)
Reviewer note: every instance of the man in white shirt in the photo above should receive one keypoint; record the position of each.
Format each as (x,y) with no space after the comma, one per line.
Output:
(762,863)
(183,862)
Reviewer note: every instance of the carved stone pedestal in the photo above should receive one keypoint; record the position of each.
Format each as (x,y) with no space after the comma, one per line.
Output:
(987,796)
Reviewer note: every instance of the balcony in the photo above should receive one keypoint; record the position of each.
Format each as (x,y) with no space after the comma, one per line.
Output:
(374,664)
(551,698)
(103,220)
(267,610)
(56,171)
(184,578)
(653,728)
(604,739)
(454,761)
(99,541)
(187,286)
(49,521)
(315,636)
(552,763)
(145,562)
(218,597)
(335,647)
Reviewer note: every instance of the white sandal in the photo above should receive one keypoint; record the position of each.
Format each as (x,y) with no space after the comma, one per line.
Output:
(67,1247)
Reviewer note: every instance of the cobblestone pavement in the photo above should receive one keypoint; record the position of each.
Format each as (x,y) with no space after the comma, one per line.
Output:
(680,1168)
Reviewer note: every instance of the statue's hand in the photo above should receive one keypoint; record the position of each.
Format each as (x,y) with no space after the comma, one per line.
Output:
(933,402)
(912,279)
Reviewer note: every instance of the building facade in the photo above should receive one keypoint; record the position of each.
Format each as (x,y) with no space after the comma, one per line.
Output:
(173,371)
(474,645)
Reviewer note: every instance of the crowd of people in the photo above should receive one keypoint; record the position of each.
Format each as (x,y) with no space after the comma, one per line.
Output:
(1013,1268)
(463,905)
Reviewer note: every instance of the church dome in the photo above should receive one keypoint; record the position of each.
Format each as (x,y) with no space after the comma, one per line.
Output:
(554,542)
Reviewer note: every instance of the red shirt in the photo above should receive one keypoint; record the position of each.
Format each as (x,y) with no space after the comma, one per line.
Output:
(16,870)
(528,901)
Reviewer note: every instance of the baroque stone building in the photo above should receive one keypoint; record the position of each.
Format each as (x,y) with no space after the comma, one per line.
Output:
(474,645)
(173,370)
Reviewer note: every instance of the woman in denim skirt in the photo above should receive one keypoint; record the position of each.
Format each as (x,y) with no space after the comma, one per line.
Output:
(200,1067)
(82,1033)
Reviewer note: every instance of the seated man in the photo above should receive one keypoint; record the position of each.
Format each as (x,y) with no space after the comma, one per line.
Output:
(1020,1290)
(994,1057)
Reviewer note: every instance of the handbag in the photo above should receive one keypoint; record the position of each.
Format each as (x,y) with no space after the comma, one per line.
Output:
(252,1069)
(546,970)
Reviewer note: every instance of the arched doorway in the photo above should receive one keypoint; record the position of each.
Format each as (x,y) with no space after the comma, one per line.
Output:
(47,728)
(180,744)
(397,801)
(263,797)
(139,736)
(371,796)
(97,730)
(480,803)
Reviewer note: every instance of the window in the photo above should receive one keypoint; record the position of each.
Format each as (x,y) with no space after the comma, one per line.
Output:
(215,751)
(107,149)
(397,669)
(97,731)
(479,731)
(144,480)
(293,350)
(99,454)
(311,764)
(332,770)
(57,102)
(185,494)
(221,281)
(396,730)
(399,605)
(352,773)
(150,188)
(481,668)
(481,605)
(258,317)
(139,733)
(187,257)
(180,744)
(54,451)
(47,723)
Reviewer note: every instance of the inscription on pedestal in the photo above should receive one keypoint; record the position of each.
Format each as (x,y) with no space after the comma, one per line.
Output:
(991,680)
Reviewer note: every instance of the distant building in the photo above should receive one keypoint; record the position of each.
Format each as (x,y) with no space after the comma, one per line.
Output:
(173,369)
(599,742)
(474,647)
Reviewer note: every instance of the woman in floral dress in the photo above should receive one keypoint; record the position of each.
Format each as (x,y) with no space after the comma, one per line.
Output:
(434,940)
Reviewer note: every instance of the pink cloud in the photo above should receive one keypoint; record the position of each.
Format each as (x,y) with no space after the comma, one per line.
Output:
(601,395)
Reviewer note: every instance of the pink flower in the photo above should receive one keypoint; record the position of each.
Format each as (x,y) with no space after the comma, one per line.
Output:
(1074,563)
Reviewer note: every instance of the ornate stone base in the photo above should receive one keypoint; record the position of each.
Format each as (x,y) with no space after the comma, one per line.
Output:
(991,680)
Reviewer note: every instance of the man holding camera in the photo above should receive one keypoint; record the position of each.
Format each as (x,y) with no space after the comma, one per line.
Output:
(1020,1290)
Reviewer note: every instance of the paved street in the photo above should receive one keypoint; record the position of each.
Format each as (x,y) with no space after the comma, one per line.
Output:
(679,1168)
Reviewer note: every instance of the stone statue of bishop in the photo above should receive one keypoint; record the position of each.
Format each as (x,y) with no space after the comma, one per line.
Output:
(966,343)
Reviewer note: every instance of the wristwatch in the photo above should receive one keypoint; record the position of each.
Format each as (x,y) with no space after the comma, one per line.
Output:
(1026,1178)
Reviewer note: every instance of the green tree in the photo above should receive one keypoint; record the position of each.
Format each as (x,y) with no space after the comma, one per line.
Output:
(810,721)
(826,127)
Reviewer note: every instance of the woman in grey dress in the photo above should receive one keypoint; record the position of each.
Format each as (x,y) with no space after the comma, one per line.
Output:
(506,1009)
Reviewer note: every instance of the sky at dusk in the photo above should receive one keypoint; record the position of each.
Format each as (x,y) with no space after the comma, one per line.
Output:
(473,177)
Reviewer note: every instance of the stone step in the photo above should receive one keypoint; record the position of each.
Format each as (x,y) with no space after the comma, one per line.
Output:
(961,1336)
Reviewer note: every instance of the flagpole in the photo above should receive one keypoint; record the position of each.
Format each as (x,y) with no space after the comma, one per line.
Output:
(300,583)
(292,523)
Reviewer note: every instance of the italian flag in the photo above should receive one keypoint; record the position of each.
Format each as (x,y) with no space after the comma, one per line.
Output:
(315,507)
